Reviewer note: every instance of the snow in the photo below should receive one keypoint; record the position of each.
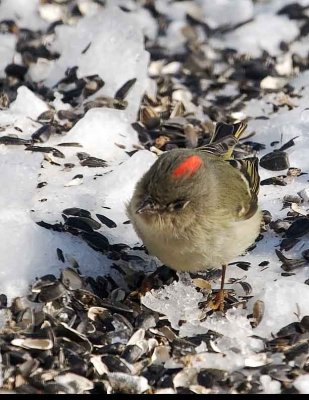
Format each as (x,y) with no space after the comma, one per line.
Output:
(117,54)
(30,252)
(20,118)
(111,35)
(178,10)
(112,190)
(146,23)
(7,50)
(174,39)
(40,70)
(27,104)
(260,29)
(226,12)
(276,5)
(23,12)
(27,250)
(101,131)
(285,302)
(179,302)
(14,165)
(256,36)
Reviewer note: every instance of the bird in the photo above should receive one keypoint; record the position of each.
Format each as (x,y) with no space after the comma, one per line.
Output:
(197,209)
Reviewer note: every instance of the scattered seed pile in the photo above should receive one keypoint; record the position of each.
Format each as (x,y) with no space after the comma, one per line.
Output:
(80,334)
(77,335)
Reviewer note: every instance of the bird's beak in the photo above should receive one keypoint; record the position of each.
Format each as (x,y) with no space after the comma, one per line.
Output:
(146,206)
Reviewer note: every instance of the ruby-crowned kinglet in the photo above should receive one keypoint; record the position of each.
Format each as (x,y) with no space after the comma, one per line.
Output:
(196,208)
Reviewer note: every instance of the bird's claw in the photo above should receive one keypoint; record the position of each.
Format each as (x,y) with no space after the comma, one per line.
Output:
(217,304)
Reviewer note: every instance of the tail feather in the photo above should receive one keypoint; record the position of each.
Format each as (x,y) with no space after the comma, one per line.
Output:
(224,139)
(223,130)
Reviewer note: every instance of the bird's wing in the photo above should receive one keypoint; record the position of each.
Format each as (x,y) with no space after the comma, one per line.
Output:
(224,139)
(222,145)
(248,168)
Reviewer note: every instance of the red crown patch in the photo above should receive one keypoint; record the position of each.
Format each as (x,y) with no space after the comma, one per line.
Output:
(188,167)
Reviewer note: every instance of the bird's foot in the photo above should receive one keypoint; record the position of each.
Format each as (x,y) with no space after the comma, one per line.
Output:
(217,304)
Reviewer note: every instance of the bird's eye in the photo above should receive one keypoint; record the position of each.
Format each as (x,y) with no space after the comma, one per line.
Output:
(179,204)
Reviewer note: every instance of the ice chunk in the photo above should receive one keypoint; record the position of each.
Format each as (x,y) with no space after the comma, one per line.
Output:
(123,179)
(236,338)
(109,44)
(301,383)
(143,17)
(147,24)
(285,302)
(22,113)
(28,104)
(226,12)
(235,325)
(177,301)
(234,349)
(103,132)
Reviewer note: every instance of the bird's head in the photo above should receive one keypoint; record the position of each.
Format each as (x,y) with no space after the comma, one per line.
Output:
(171,187)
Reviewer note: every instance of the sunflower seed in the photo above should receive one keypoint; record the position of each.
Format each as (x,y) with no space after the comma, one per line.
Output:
(275,161)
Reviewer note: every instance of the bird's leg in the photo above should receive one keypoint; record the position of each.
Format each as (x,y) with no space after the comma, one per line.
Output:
(218,303)
(221,293)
